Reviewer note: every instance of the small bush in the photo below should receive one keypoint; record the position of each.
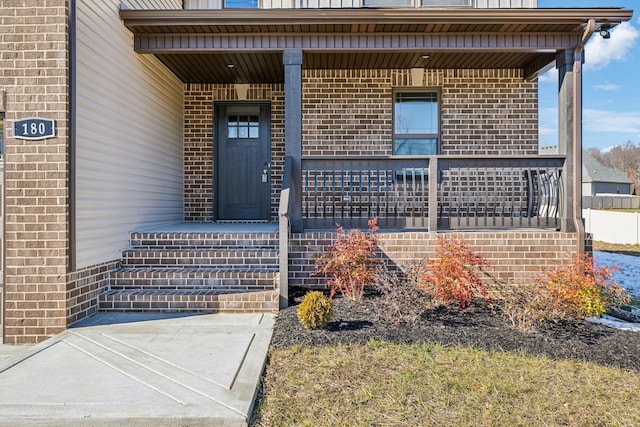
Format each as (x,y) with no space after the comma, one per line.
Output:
(524,305)
(454,275)
(583,289)
(315,310)
(349,262)
(403,299)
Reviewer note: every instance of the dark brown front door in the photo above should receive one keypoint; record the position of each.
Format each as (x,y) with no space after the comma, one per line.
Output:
(243,161)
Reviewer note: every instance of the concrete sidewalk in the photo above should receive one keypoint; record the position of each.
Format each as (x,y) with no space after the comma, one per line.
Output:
(139,370)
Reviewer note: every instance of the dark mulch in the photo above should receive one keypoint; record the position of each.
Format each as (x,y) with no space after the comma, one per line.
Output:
(480,326)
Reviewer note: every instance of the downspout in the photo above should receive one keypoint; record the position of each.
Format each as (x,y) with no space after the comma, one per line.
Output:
(71,120)
(577,133)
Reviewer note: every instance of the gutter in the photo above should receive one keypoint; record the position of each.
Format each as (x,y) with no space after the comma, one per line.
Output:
(577,133)
(250,17)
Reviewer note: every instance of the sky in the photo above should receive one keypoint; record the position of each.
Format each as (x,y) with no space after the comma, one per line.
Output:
(611,83)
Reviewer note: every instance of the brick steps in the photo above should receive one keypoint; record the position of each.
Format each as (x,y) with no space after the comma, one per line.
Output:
(209,272)
(194,278)
(216,240)
(200,258)
(164,300)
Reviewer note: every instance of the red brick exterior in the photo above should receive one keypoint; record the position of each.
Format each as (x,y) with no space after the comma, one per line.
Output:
(345,113)
(349,113)
(83,288)
(34,74)
(515,256)
(484,112)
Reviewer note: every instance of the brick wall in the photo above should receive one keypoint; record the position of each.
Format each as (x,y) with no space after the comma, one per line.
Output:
(346,112)
(349,112)
(33,73)
(515,256)
(83,288)
(199,142)
(484,112)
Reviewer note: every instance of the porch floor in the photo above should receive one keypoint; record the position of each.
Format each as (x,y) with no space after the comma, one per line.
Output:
(214,227)
(272,227)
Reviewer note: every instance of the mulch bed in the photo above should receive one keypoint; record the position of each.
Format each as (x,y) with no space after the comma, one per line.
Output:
(479,325)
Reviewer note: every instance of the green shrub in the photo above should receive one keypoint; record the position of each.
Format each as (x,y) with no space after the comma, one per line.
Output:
(315,310)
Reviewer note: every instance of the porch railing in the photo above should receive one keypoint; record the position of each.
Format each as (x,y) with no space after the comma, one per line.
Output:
(435,192)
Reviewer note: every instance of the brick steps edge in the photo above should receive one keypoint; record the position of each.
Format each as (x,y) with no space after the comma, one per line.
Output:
(189,301)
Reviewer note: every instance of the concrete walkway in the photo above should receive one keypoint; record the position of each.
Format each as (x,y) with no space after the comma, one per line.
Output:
(139,370)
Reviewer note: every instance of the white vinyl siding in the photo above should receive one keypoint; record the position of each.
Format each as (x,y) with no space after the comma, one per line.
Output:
(128,134)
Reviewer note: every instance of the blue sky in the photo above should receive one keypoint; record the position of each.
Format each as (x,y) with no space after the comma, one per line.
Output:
(611,83)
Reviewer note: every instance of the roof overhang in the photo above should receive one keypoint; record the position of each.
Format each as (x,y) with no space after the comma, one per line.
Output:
(198,45)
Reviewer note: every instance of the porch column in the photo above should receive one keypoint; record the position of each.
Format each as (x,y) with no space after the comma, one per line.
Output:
(566,130)
(292,60)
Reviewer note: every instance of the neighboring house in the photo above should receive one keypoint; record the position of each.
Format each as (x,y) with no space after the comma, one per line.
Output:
(597,178)
(600,179)
(209,123)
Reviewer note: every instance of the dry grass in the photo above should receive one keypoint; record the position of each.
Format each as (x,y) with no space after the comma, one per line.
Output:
(427,385)
(614,247)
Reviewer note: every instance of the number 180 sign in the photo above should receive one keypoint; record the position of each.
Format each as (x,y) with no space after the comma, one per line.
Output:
(34,128)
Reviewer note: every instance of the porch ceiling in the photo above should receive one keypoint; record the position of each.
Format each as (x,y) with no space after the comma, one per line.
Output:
(198,45)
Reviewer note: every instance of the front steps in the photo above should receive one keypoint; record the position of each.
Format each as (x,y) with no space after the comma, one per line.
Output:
(194,271)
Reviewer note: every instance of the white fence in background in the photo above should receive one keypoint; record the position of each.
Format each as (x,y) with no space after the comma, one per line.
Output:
(611,201)
(613,227)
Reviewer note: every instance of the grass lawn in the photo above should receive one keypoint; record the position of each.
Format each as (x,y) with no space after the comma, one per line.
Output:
(624,210)
(614,247)
(380,384)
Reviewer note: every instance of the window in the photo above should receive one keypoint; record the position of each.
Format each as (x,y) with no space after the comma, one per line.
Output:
(237,4)
(416,123)
(243,127)
(415,3)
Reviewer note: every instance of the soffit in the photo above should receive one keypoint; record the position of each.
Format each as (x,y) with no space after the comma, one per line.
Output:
(198,45)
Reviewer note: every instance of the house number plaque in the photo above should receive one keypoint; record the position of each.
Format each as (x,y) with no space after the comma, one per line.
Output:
(34,129)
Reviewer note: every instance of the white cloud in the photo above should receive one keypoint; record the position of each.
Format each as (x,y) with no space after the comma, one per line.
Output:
(545,130)
(600,52)
(608,87)
(611,121)
(550,76)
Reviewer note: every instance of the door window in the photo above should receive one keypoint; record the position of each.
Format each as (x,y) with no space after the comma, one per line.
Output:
(243,127)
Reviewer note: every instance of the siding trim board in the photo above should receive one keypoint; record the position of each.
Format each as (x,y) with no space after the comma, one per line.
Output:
(208,43)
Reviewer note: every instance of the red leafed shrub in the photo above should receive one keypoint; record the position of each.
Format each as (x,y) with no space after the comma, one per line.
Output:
(583,288)
(454,275)
(349,262)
